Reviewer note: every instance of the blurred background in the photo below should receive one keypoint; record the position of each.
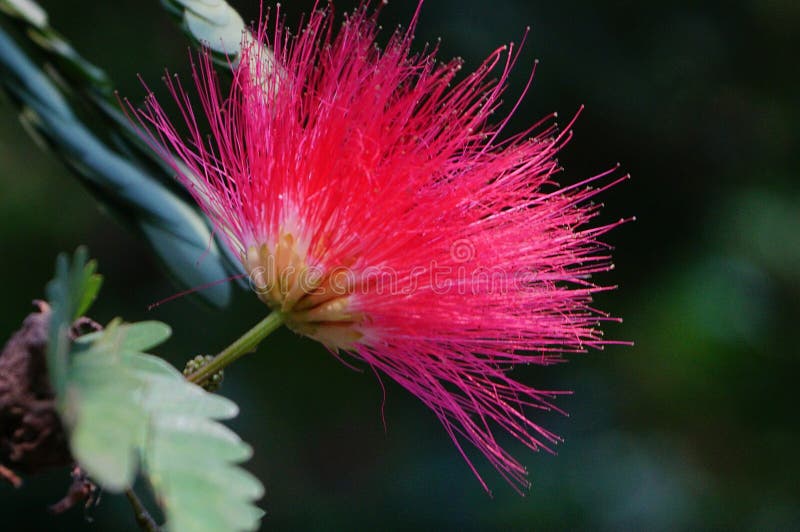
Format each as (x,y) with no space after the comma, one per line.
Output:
(695,427)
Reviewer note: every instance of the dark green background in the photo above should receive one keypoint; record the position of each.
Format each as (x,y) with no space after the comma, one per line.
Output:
(696,427)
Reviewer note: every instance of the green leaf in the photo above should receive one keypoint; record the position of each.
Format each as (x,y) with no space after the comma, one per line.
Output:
(70,294)
(212,23)
(139,336)
(224,39)
(127,411)
(26,10)
(72,281)
(91,288)
(141,194)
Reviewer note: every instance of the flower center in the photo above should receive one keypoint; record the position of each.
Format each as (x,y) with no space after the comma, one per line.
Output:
(314,301)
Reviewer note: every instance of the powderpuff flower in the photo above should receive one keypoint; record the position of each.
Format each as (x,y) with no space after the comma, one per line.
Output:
(376,206)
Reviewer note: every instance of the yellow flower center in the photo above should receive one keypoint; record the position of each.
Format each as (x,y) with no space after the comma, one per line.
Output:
(314,302)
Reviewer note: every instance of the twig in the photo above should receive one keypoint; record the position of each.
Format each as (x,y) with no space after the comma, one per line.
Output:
(143,518)
(81,490)
(10,476)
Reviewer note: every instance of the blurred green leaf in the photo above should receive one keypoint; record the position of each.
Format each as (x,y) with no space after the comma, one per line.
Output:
(26,10)
(70,294)
(138,336)
(90,290)
(128,411)
(134,190)
(762,225)
(212,23)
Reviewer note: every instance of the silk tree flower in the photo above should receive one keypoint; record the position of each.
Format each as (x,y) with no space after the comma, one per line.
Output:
(379,209)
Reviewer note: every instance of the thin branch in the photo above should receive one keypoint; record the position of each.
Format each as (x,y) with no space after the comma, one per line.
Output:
(247,343)
(143,517)
(10,476)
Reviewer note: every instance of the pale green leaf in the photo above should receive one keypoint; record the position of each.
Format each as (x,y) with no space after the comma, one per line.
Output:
(139,336)
(215,439)
(127,411)
(212,23)
(218,27)
(70,293)
(27,10)
(187,400)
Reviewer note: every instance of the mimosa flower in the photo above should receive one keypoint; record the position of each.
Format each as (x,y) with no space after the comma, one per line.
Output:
(378,208)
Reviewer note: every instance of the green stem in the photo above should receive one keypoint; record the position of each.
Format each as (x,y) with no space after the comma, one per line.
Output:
(143,517)
(245,344)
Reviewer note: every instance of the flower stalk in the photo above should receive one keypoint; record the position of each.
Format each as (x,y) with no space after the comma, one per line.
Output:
(247,343)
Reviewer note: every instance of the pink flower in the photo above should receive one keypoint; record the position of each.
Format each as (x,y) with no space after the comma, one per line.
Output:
(376,206)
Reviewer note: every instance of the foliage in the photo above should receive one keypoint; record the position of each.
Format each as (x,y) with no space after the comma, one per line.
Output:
(212,23)
(70,293)
(128,411)
(122,174)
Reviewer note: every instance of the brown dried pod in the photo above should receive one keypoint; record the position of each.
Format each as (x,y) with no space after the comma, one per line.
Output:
(32,437)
